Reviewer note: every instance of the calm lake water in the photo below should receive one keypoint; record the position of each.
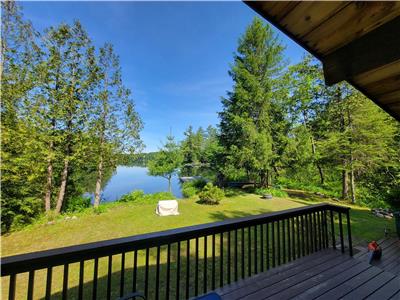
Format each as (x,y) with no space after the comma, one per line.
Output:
(126,179)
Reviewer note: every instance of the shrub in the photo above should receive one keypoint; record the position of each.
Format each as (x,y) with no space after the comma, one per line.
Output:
(25,212)
(273,191)
(189,191)
(99,209)
(132,196)
(211,194)
(139,196)
(77,204)
(192,188)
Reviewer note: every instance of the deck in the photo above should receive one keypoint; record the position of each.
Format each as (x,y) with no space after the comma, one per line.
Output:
(390,260)
(327,274)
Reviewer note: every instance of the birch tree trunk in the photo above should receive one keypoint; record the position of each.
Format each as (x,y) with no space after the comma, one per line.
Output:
(49,183)
(98,182)
(61,194)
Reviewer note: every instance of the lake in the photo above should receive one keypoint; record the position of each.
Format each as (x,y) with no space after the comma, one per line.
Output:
(126,179)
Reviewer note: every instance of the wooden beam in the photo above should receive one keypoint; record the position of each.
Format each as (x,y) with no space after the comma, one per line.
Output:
(373,50)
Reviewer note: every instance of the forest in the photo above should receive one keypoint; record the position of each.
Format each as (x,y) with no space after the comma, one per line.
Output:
(68,119)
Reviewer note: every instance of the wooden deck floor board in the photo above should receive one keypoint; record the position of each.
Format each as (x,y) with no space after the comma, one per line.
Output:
(390,260)
(387,291)
(370,286)
(326,274)
(260,281)
(307,284)
(287,283)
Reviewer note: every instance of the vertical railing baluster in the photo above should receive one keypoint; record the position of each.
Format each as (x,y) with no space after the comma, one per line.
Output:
(196,266)
(81,274)
(289,240)
(48,282)
(303,235)
(213,263)
(267,253)
(65,282)
(278,240)
(316,229)
(349,233)
(11,290)
(168,271)
(319,221)
(157,291)
(255,250)
(178,270)
(310,228)
(299,245)
(134,275)
(187,269)
(249,251)
(293,239)
(122,279)
(273,243)
(229,258)
(283,241)
(95,274)
(306,219)
(109,277)
(242,253)
(205,266)
(221,257)
(31,283)
(326,238)
(146,273)
(332,229)
(236,255)
(262,247)
(341,232)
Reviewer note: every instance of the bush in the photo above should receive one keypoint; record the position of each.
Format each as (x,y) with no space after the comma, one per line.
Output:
(23,212)
(211,194)
(273,191)
(139,196)
(77,204)
(132,196)
(192,188)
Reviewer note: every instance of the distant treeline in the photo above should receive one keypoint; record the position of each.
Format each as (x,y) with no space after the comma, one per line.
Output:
(139,160)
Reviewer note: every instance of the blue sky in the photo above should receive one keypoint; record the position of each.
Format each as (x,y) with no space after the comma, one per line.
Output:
(175,56)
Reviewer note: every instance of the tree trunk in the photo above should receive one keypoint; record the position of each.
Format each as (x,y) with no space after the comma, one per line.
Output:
(352,186)
(314,150)
(98,182)
(345,184)
(169,184)
(61,194)
(47,196)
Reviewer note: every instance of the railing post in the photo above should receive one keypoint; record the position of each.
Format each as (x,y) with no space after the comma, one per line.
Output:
(349,232)
(332,229)
(341,232)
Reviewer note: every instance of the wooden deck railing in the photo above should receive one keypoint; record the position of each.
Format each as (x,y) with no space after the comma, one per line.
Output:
(178,263)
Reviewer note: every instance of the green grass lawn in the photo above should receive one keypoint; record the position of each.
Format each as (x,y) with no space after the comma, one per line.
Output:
(128,219)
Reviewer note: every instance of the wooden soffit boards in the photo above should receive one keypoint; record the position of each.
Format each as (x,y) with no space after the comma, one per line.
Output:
(356,41)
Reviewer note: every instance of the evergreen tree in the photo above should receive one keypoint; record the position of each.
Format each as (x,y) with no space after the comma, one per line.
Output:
(246,117)
(21,179)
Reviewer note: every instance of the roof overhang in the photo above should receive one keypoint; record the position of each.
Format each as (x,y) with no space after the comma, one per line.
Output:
(356,41)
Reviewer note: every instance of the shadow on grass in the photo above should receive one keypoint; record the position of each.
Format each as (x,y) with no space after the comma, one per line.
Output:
(229,214)
(187,278)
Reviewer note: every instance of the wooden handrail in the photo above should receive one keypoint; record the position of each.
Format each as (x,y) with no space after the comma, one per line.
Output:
(282,235)
(59,256)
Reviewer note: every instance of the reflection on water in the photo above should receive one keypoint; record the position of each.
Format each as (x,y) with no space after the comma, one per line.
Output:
(126,179)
